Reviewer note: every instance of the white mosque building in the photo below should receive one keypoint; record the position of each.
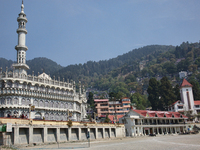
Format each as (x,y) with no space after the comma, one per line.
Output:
(52,99)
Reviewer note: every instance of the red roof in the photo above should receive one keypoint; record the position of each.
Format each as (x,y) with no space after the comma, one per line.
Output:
(196,102)
(160,114)
(185,83)
(111,117)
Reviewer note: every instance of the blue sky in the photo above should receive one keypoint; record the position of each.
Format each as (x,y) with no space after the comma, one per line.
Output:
(77,31)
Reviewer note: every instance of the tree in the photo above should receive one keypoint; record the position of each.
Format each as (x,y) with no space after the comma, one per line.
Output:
(176,90)
(195,90)
(107,120)
(90,99)
(140,101)
(153,91)
(166,93)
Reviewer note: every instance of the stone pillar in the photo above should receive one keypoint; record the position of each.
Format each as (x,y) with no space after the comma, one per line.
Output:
(103,133)
(148,131)
(30,136)
(69,134)
(79,134)
(109,132)
(175,130)
(16,135)
(134,131)
(45,134)
(96,133)
(162,130)
(166,131)
(157,131)
(58,134)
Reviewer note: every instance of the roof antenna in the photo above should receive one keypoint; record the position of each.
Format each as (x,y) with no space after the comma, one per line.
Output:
(22,2)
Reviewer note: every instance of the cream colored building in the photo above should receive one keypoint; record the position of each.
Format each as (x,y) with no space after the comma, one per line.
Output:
(53,99)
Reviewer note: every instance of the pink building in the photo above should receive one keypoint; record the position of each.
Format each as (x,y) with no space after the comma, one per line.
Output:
(112,108)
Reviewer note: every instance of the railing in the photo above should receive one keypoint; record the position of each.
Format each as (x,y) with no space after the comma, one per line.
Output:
(34,93)
(159,123)
(37,79)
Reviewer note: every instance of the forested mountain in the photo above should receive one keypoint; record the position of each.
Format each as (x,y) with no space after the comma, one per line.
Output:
(130,73)
(37,65)
(43,64)
(94,70)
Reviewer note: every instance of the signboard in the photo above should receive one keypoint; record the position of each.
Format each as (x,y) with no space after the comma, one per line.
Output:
(9,127)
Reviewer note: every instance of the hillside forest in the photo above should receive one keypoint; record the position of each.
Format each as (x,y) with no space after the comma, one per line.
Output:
(148,75)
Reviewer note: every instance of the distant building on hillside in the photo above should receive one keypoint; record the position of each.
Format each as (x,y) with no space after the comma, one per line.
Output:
(182,74)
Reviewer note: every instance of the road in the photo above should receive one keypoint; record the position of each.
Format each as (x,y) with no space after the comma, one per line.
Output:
(167,142)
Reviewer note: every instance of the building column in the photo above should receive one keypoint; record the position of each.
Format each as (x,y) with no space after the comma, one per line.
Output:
(109,133)
(69,134)
(162,130)
(96,133)
(16,135)
(175,130)
(153,130)
(148,131)
(158,131)
(134,131)
(45,134)
(103,133)
(58,134)
(166,131)
(79,134)
(30,136)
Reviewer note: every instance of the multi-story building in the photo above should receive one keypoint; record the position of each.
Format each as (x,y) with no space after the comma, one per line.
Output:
(52,99)
(114,109)
(144,122)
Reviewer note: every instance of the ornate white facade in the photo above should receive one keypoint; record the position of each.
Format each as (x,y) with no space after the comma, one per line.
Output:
(53,99)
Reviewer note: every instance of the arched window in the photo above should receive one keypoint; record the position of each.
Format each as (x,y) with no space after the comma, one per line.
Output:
(35,102)
(51,104)
(24,85)
(29,86)
(38,115)
(16,84)
(41,103)
(9,101)
(15,101)
(46,116)
(46,104)
(9,84)
(28,102)
(23,101)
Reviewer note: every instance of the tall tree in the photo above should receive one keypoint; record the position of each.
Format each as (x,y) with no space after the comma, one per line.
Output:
(176,90)
(166,93)
(153,91)
(91,99)
(196,90)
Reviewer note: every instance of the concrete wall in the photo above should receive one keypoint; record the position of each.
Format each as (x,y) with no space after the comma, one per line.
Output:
(84,133)
(23,136)
(63,134)
(26,132)
(100,133)
(92,134)
(38,135)
(51,135)
(74,134)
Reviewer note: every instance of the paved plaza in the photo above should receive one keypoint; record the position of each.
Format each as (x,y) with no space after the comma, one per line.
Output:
(167,142)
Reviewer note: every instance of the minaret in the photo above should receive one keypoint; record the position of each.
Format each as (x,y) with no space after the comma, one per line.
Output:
(21,66)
